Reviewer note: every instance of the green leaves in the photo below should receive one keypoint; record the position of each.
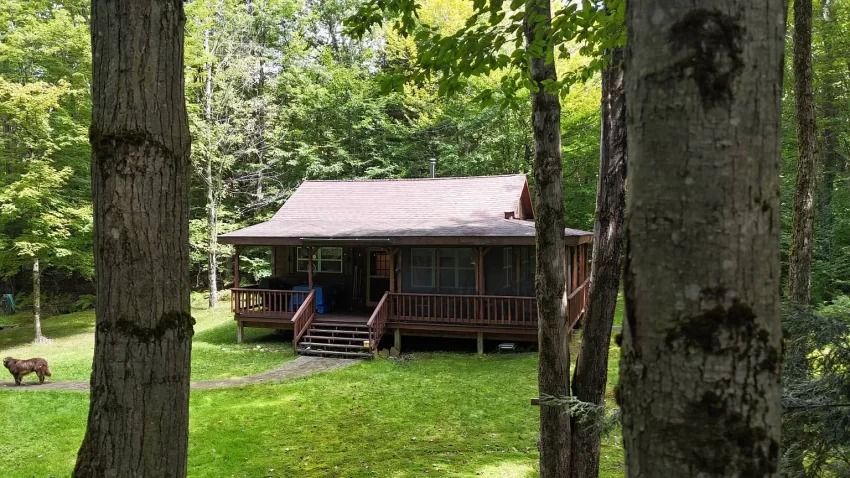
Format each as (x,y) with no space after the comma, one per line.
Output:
(492,40)
(45,105)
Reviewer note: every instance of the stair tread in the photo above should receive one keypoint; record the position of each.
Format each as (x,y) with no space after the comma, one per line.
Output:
(326,337)
(336,353)
(338,331)
(332,345)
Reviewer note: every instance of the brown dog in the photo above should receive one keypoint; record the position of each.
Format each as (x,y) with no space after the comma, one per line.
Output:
(19,368)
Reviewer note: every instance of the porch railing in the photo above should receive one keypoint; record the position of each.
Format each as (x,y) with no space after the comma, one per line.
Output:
(269,303)
(378,321)
(577,302)
(303,317)
(471,310)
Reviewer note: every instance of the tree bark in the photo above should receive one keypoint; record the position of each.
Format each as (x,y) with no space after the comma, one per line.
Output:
(802,230)
(36,300)
(550,286)
(212,206)
(138,415)
(591,372)
(699,371)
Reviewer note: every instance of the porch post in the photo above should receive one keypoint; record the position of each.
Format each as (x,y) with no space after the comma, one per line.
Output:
(479,272)
(236,266)
(310,267)
(517,264)
(480,340)
(391,252)
(397,339)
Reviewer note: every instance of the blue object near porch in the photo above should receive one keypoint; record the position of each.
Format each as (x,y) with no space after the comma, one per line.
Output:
(324,296)
(7,304)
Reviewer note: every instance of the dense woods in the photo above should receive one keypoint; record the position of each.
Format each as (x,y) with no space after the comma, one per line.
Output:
(278,91)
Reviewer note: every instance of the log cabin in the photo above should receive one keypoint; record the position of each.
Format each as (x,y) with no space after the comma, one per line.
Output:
(437,257)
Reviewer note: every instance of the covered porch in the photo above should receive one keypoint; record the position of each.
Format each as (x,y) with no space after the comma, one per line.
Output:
(340,298)
(438,315)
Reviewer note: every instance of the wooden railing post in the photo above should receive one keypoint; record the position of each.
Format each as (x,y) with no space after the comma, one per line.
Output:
(377,323)
(303,317)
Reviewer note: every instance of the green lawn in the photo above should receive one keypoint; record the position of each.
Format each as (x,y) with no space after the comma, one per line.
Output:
(436,414)
(215,353)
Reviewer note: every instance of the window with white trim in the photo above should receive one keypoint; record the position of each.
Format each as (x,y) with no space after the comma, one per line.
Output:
(325,259)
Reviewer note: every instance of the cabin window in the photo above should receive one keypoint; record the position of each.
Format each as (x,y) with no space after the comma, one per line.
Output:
(422,263)
(325,259)
(443,269)
(457,269)
(508,265)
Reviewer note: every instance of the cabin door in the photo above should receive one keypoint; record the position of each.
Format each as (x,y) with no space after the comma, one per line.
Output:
(377,275)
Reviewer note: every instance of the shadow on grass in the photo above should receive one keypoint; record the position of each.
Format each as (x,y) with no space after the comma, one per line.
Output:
(55,327)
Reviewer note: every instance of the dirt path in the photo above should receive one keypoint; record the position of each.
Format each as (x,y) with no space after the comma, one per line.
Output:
(300,367)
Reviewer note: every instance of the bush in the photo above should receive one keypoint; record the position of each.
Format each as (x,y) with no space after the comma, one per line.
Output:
(85,302)
(55,304)
(816,391)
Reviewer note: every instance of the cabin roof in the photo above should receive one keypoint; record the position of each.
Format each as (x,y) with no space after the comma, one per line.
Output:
(403,211)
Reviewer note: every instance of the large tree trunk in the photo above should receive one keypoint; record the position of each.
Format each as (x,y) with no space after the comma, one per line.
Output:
(212,205)
(553,378)
(699,371)
(802,230)
(36,300)
(591,371)
(138,416)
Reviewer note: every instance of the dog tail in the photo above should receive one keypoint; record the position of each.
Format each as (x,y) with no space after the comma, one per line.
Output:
(46,371)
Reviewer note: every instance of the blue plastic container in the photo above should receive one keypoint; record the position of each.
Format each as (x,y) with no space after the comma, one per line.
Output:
(323,303)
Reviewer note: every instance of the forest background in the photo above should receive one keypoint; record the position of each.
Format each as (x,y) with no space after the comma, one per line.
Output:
(278,92)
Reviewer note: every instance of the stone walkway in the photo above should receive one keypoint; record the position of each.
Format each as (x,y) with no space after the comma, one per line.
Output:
(300,367)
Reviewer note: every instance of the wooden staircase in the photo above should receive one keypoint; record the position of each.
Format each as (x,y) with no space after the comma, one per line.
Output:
(328,337)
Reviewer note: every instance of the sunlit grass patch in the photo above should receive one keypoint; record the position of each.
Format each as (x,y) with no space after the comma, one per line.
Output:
(215,353)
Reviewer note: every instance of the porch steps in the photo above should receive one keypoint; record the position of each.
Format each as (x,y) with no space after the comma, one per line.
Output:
(335,339)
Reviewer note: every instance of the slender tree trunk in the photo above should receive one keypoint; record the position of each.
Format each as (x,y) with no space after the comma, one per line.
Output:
(591,371)
(261,127)
(212,205)
(138,416)
(550,279)
(829,155)
(36,299)
(699,371)
(802,231)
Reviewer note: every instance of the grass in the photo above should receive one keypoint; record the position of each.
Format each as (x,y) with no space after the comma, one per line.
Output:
(214,351)
(431,414)
(441,414)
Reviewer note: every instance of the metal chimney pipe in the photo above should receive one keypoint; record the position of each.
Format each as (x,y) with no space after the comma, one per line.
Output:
(433,167)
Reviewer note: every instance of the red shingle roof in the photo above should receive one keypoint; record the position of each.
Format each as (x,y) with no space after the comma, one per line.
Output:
(400,209)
